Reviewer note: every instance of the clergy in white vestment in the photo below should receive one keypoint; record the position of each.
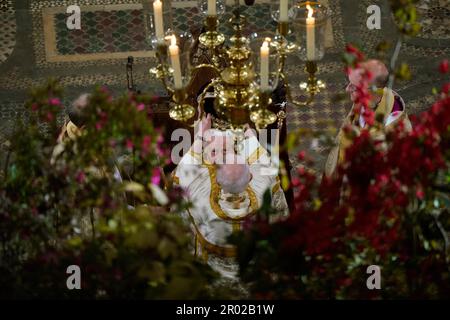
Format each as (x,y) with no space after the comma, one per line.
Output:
(225,187)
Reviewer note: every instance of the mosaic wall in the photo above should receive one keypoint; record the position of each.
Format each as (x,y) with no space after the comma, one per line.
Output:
(97,48)
(102,31)
(434,18)
(7,29)
(114,29)
(185,17)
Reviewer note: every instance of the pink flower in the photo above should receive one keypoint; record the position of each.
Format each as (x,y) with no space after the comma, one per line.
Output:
(443,67)
(140,107)
(98,125)
(50,116)
(146,141)
(129,144)
(160,139)
(54,102)
(420,194)
(104,89)
(159,151)
(81,177)
(156,176)
(384,179)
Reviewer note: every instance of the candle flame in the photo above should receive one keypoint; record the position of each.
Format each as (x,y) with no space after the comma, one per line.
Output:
(310,11)
(266,43)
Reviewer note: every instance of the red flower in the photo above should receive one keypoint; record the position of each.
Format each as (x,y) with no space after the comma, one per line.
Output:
(301,155)
(354,51)
(419,193)
(103,120)
(50,116)
(443,67)
(369,116)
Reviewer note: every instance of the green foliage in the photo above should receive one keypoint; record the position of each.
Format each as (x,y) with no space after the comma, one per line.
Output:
(405,15)
(63,204)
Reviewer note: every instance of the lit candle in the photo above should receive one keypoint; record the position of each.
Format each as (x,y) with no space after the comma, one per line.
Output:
(264,72)
(310,34)
(174,53)
(212,8)
(283,11)
(157,13)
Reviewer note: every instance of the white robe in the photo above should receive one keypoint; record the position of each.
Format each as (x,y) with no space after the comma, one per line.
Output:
(211,220)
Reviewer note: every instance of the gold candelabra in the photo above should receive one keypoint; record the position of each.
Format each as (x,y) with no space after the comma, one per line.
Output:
(239,99)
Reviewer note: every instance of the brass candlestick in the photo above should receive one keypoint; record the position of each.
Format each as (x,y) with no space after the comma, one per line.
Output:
(282,45)
(181,111)
(211,38)
(161,71)
(313,85)
(262,117)
(283,28)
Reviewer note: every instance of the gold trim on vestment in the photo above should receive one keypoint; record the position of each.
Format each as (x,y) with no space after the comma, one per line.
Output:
(72,130)
(256,155)
(196,155)
(208,247)
(175,178)
(276,187)
(215,193)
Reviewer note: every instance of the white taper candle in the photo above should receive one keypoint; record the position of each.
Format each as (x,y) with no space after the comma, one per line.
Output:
(264,72)
(174,52)
(158,16)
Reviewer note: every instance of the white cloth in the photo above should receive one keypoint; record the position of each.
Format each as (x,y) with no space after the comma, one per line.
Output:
(194,177)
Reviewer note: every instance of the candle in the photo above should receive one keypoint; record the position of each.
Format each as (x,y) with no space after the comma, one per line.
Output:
(157,13)
(283,11)
(264,72)
(310,34)
(212,8)
(174,53)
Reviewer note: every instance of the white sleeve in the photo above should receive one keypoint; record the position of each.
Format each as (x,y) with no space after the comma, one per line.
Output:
(188,168)
(392,117)
(253,151)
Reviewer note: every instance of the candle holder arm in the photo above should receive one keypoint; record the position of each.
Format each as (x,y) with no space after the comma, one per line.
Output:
(201,99)
(291,99)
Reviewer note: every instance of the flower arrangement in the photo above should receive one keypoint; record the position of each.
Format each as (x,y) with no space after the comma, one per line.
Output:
(64,204)
(387,206)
